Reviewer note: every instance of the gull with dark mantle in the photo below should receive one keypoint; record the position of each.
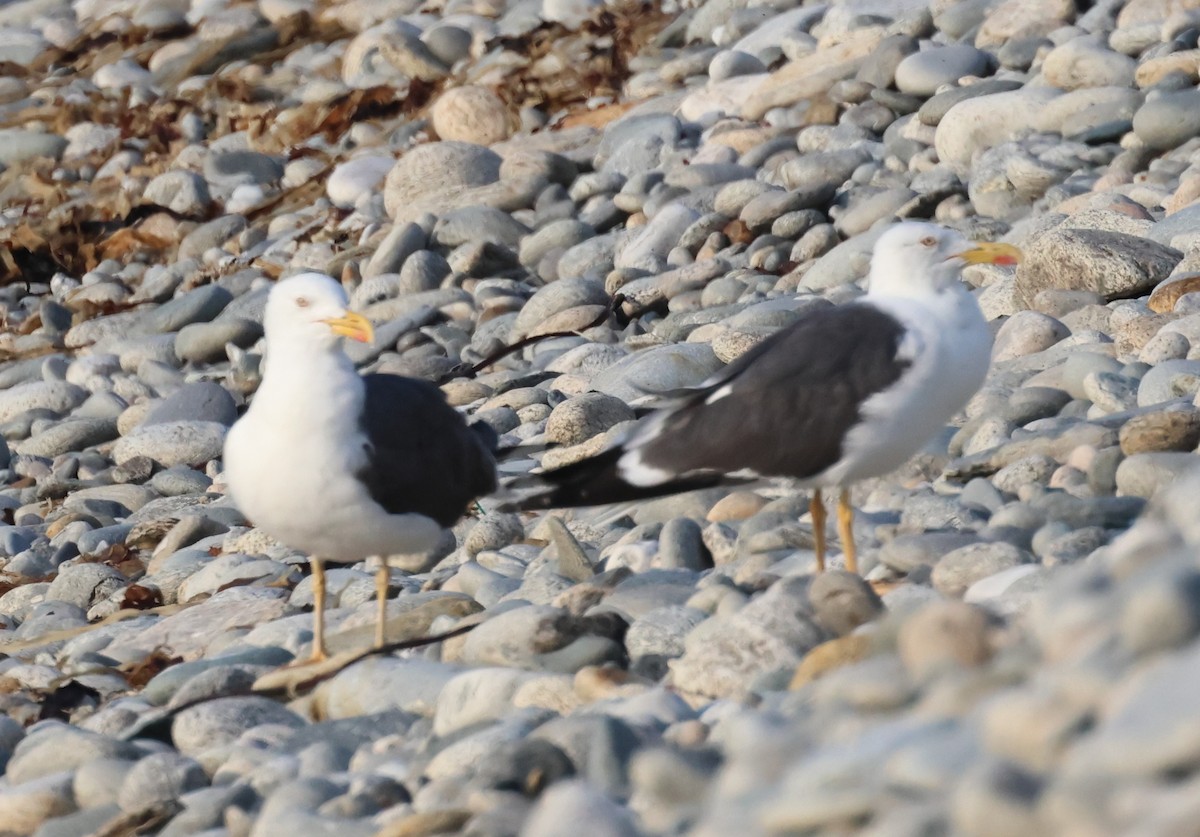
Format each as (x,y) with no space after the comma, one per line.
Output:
(844,393)
(347,467)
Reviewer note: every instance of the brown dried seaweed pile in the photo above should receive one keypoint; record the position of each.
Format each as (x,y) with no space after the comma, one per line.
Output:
(72,226)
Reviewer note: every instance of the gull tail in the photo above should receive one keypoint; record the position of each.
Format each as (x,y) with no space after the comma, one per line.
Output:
(594,481)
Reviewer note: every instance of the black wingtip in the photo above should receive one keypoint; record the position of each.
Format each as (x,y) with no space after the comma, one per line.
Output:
(595,481)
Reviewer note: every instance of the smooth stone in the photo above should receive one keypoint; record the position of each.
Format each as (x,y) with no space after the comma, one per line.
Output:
(470,113)
(380,684)
(980,123)
(53,396)
(206,342)
(69,435)
(908,552)
(660,633)
(199,401)
(25,807)
(1147,730)
(184,192)
(478,224)
(18,146)
(959,569)
(582,417)
(1165,122)
(555,298)
(235,168)
(647,247)
(943,635)
(924,72)
(659,369)
(1147,474)
(158,779)
(1084,63)
(50,750)
(87,821)
(351,181)
(85,584)
(223,720)
(936,107)
(1026,333)
(567,803)
(438,176)
(1160,612)
(210,234)
(173,442)
(1168,381)
(164,685)
(1169,430)
(1112,264)
(718,660)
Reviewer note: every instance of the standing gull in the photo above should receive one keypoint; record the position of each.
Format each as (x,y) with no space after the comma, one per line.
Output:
(348,467)
(843,394)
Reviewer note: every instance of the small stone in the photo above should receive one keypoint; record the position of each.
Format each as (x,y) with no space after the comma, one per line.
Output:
(158,779)
(200,401)
(843,601)
(471,114)
(1163,298)
(60,748)
(657,370)
(1027,333)
(1168,430)
(1165,122)
(223,720)
(941,635)
(958,570)
(18,146)
(924,72)
(556,298)
(564,805)
(183,192)
(1147,474)
(85,584)
(52,396)
(205,342)
(582,417)
(26,806)
(174,442)
(355,179)
(1111,264)
(1085,63)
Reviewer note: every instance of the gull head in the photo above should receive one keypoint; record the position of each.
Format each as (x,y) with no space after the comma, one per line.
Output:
(913,259)
(313,308)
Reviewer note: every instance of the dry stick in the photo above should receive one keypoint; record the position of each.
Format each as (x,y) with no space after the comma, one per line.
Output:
(155,726)
(472,371)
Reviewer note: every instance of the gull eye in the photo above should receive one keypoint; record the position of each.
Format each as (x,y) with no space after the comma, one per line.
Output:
(929,241)
(301,302)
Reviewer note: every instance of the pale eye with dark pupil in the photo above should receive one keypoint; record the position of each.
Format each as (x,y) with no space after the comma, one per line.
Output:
(302,302)
(929,241)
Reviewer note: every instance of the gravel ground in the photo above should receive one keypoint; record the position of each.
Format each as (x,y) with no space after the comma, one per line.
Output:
(1022,653)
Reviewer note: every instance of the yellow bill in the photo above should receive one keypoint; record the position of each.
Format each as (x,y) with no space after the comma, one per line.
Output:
(991,253)
(352,325)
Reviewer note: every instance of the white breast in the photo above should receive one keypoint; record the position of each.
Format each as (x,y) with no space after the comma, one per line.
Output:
(950,345)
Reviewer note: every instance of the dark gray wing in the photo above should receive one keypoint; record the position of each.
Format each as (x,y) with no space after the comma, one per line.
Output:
(783,410)
(423,456)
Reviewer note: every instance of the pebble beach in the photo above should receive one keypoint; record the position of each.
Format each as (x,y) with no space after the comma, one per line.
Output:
(555,209)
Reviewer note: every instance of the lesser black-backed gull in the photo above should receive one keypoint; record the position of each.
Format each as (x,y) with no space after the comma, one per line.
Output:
(845,393)
(347,467)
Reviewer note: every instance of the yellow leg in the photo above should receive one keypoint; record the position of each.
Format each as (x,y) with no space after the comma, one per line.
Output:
(816,508)
(846,530)
(318,581)
(381,596)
